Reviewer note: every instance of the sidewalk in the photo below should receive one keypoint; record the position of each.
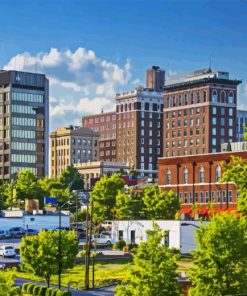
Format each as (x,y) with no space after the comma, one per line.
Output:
(94,292)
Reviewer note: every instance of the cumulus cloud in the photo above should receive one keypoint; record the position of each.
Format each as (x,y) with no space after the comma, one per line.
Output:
(80,82)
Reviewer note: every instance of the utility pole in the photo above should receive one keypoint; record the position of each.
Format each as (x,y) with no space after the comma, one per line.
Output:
(86,255)
(59,251)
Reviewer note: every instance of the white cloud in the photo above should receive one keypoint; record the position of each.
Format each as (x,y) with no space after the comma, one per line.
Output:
(80,82)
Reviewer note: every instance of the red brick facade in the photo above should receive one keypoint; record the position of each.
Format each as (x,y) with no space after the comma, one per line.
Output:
(195,179)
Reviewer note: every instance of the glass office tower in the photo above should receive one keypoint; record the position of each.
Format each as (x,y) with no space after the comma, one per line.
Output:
(24,123)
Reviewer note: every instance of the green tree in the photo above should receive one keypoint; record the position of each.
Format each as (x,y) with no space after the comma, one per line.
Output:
(104,196)
(236,172)
(159,204)
(220,262)
(71,178)
(7,279)
(39,253)
(122,209)
(153,272)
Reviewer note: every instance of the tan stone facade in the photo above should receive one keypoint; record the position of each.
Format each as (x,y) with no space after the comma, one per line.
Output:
(70,146)
(97,169)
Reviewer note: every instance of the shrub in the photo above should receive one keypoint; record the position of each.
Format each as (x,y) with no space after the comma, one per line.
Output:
(132,247)
(24,287)
(63,293)
(35,290)
(30,288)
(55,292)
(119,245)
(42,291)
(49,292)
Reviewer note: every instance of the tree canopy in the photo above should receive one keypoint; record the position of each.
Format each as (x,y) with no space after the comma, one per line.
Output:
(39,253)
(153,272)
(220,262)
(236,172)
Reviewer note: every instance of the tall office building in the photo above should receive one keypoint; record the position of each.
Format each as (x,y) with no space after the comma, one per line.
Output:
(199,113)
(105,125)
(155,78)
(139,129)
(72,145)
(24,123)
(241,124)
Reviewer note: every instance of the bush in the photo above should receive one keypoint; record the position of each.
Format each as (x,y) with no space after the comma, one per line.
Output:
(64,293)
(24,287)
(42,291)
(119,245)
(35,290)
(49,292)
(55,292)
(30,288)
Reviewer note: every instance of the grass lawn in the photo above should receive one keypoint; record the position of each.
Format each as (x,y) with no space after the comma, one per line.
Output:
(106,273)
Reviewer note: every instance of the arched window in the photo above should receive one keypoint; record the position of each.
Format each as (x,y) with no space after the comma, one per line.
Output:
(223,97)
(230,98)
(168,177)
(218,173)
(214,96)
(201,175)
(185,176)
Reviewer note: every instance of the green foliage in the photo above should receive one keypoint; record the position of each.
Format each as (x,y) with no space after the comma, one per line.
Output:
(153,272)
(42,291)
(71,178)
(36,290)
(81,216)
(160,204)
(39,253)
(220,262)
(30,288)
(24,287)
(236,172)
(119,245)
(104,196)
(49,291)
(6,283)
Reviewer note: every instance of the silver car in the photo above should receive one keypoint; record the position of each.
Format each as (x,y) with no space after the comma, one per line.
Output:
(4,234)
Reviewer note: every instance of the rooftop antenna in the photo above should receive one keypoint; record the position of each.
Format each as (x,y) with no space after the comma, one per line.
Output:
(210,61)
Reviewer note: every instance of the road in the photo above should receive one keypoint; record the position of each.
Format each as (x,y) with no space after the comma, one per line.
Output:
(95,292)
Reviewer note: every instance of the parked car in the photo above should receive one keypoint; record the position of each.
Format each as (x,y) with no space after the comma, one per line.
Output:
(64,228)
(7,251)
(4,234)
(101,239)
(106,233)
(30,231)
(16,231)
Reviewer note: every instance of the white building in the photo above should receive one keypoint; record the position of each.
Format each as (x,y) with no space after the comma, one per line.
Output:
(181,235)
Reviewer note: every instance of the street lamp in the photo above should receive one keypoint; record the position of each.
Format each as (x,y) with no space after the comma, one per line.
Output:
(189,224)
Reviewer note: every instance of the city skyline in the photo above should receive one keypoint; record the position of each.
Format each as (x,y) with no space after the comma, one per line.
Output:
(93,51)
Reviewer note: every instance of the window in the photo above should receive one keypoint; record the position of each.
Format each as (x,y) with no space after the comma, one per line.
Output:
(218,196)
(223,97)
(214,110)
(218,173)
(166,240)
(222,121)
(212,196)
(230,111)
(206,195)
(230,98)
(168,177)
(201,197)
(120,234)
(185,176)
(214,96)
(214,131)
(214,120)
(214,141)
(201,175)
(222,111)
(192,98)
(204,96)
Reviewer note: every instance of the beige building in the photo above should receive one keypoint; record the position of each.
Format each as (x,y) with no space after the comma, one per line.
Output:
(72,145)
(96,169)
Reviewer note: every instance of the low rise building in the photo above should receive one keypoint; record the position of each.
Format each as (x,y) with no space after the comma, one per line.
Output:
(71,145)
(181,235)
(94,170)
(196,180)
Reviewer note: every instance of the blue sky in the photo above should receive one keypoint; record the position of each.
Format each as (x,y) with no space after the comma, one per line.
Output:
(119,40)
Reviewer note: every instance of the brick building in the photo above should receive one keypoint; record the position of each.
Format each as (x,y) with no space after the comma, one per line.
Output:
(105,125)
(139,129)
(199,113)
(195,179)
